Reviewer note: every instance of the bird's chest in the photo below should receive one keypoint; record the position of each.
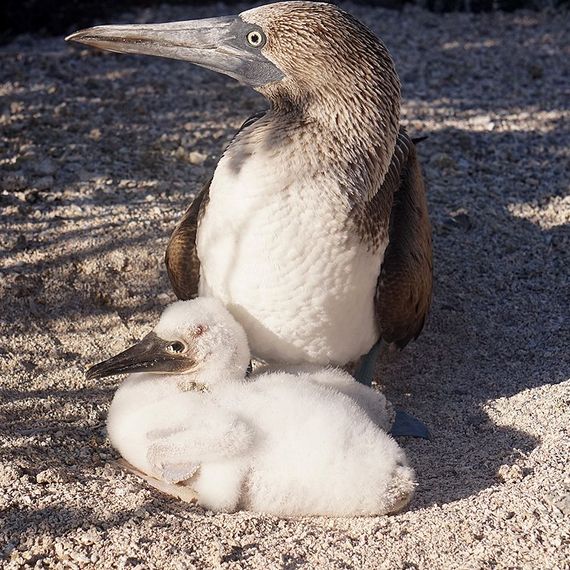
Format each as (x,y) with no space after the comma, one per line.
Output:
(275,246)
(139,390)
(138,408)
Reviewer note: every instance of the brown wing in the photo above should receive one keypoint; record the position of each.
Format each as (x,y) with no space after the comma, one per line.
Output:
(404,289)
(181,259)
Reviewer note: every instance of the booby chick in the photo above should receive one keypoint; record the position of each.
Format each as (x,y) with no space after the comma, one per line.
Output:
(314,230)
(278,443)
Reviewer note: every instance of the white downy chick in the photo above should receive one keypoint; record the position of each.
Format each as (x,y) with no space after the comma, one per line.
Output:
(288,444)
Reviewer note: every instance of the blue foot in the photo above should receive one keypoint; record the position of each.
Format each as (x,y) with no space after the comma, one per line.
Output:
(365,372)
(406,424)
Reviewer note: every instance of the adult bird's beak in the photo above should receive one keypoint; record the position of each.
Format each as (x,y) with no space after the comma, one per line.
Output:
(219,44)
(151,354)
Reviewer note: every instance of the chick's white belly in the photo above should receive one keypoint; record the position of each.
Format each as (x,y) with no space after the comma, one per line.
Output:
(287,269)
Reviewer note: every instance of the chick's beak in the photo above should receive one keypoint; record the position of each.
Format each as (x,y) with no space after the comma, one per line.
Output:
(151,354)
(215,43)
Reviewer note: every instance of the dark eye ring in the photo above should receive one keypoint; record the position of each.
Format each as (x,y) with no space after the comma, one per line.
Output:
(255,38)
(176,347)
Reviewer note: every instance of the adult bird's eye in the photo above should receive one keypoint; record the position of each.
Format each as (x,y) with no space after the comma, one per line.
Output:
(176,347)
(256,38)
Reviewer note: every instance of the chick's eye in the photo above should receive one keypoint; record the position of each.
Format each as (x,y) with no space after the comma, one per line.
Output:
(256,38)
(176,347)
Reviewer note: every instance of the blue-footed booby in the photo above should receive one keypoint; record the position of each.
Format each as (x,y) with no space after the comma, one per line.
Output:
(279,443)
(314,229)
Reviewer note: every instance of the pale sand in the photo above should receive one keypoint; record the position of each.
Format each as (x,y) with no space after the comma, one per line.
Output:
(99,156)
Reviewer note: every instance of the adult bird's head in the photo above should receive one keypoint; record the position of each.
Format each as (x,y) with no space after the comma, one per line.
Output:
(292,52)
(317,65)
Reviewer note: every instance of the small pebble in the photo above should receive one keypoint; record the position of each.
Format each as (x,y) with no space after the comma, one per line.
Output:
(510,473)
(196,157)
(563,504)
(53,475)
(9,474)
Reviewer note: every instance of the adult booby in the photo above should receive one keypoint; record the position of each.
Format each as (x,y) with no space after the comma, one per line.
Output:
(277,443)
(314,229)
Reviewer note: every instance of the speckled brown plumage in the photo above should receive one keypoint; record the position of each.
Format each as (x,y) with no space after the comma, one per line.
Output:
(343,83)
(404,290)
(181,258)
(371,217)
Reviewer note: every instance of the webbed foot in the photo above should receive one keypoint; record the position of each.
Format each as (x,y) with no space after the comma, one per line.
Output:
(406,425)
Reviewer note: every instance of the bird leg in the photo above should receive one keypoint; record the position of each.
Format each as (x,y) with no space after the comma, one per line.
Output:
(365,371)
(404,424)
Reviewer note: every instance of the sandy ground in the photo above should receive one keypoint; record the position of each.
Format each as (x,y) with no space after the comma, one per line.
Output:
(100,154)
